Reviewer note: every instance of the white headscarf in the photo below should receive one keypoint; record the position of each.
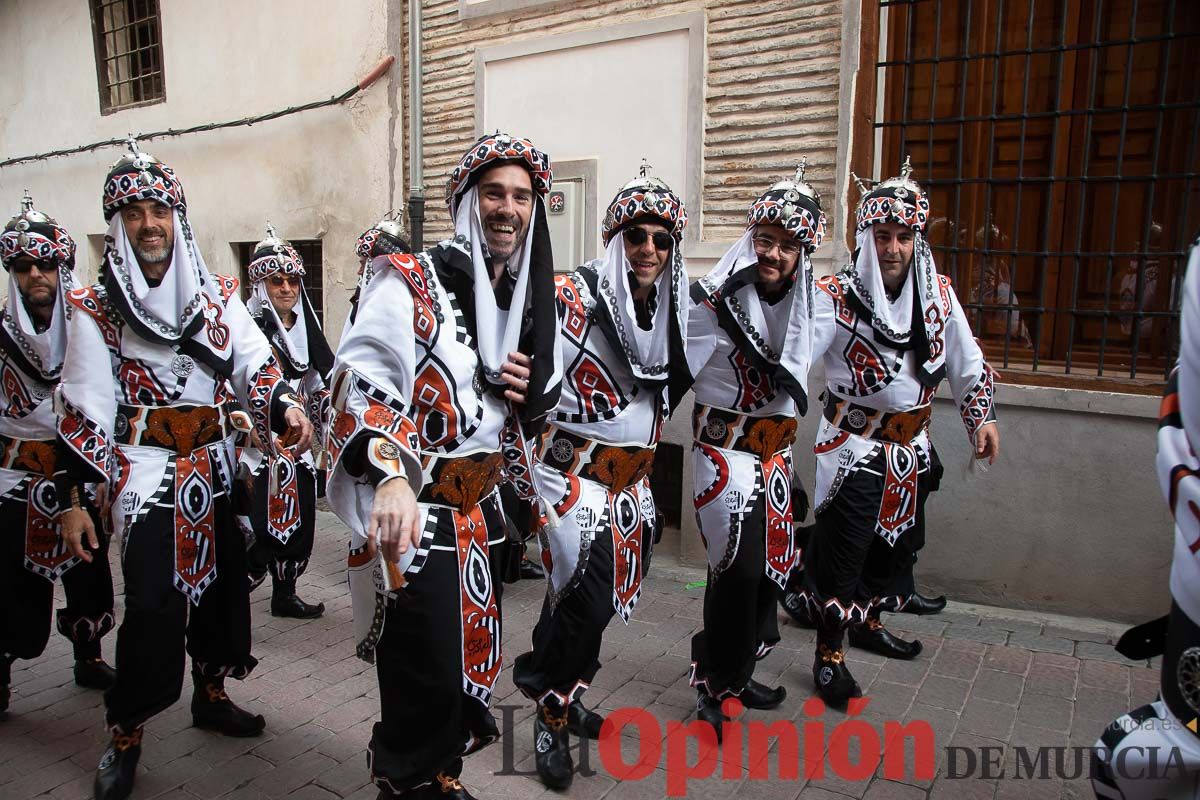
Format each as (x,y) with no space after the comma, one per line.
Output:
(498,331)
(294,340)
(892,319)
(43,350)
(648,351)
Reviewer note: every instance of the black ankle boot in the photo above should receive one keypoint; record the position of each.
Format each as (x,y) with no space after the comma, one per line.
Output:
(118,767)
(708,709)
(583,722)
(921,605)
(449,788)
(212,709)
(285,603)
(793,603)
(552,749)
(756,695)
(93,673)
(873,636)
(834,682)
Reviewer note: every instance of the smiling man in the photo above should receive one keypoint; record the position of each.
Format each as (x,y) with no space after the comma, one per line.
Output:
(439,387)
(889,330)
(623,331)
(748,395)
(152,430)
(39,256)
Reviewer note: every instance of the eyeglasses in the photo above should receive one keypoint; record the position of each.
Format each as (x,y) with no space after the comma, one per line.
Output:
(24,267)
(280,280)
(763,244)
(637,237)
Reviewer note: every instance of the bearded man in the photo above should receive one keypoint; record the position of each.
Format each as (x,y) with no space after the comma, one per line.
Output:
(889,329)
(154,431)
(39,256)
(749,391)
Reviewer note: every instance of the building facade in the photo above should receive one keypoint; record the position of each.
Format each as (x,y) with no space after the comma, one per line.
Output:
(1058,139)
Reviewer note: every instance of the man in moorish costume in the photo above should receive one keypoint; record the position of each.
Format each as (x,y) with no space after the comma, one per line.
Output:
(427,421)
(748,396)
(889,329)
(623,333)
(383,238)
(283,511)
(154,432)
(39,256)
(1154,751)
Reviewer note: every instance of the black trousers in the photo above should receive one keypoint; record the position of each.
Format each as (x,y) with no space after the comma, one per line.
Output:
(849,561)
(27,599)
(159,624)
(740,624)
(566,641)
(285,562)
(427,721)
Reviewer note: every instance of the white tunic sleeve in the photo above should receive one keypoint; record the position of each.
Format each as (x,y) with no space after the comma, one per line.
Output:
(972,380)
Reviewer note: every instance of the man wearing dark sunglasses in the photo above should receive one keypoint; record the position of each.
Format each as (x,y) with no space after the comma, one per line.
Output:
(623,331)
(39,255)
(748,317)
(284,484)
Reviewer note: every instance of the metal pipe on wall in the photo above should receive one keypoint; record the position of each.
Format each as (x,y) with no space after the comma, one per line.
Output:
(416,116)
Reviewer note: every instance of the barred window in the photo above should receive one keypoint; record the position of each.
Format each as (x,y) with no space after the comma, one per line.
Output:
(310,253)
(129,61)
(1058,142)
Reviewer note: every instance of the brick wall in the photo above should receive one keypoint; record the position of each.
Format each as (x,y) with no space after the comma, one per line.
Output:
(771,83)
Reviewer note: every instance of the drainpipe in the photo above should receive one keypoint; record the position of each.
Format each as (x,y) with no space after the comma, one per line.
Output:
(416,116)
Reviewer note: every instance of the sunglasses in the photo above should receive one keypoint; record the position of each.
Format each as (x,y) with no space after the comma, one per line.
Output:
(280,280)
(637,237)
(24,267)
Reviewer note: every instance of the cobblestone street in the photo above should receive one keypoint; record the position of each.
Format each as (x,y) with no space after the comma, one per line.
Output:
(983,680)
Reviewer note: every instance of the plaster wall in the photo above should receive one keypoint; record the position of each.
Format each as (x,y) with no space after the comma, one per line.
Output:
(1070,520)
(327,173)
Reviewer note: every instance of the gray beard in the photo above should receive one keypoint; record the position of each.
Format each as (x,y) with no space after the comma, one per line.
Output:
(149,256)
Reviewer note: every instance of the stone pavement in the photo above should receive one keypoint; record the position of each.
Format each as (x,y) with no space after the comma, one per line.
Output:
(986,679)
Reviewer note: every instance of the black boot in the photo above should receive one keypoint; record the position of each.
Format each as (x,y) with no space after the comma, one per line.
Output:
(708,709)
(530,569)
(93,673)
(873,636)
(834,682)
(756,695)
(213,710)
(583,722)
(450,788)
(552,749)
(921,605)
(285,603)
(793,603)
(118,767)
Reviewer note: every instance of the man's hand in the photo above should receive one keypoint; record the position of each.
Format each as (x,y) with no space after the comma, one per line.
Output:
(299,434)
(987,442)
(515,372)
(396,517)
(74,525)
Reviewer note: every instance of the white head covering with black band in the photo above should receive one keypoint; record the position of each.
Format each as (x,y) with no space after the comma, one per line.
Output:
(914,319)
(531,267)
(36,235)
(173,313)
(653,353)
(782,350)
(303,346)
